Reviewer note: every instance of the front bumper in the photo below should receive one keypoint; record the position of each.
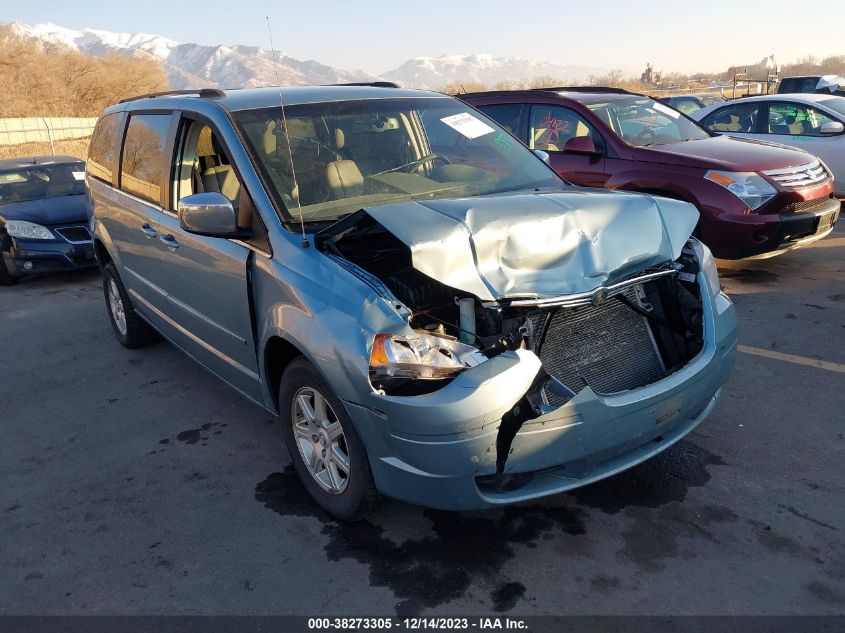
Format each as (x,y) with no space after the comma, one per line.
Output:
(757,235)
(29,257)
(439,449)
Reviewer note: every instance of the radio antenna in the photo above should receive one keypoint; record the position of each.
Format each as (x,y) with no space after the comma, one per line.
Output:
(305,243)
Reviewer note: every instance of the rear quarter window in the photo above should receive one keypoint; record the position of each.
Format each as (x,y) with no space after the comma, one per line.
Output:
(101,152)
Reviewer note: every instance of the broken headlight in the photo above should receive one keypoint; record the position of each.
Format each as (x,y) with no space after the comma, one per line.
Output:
(421,356)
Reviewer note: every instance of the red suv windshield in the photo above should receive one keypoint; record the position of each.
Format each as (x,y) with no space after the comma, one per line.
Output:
(640,122)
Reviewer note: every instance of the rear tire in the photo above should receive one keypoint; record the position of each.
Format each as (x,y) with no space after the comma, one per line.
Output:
(131,330)
(6,278)
(325,450)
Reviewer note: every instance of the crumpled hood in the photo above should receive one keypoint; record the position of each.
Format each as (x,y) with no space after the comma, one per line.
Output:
(538,244)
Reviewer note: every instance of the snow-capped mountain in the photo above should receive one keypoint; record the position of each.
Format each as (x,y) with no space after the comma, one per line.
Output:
(194,65)
(436,72)
(232,66)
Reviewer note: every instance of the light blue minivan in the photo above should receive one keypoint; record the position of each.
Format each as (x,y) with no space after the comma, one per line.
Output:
(433,314)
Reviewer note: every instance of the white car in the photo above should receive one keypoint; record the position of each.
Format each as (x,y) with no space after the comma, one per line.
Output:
(812,122)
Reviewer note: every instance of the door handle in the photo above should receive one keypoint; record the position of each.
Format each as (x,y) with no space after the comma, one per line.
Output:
(148,231)
(169,241)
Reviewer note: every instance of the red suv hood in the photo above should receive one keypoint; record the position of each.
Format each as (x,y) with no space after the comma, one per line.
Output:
(723,152)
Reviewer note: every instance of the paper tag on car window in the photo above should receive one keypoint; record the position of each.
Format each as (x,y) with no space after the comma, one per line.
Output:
(666,110)
(78,175)
(467,125)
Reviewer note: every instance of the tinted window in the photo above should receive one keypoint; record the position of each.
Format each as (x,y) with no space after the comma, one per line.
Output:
(101,149)
(140,171)
(741,117)
(550,127)
(42,181)
(506,115)
(799,84)
(795,119)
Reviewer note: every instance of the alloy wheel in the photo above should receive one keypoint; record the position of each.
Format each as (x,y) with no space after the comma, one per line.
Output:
(320,439)
(116,306)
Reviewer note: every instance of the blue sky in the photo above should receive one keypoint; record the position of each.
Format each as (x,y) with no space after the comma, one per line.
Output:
(378,35)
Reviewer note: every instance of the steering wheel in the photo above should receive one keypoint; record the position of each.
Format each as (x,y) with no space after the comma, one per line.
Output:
(420,161)
(646,134)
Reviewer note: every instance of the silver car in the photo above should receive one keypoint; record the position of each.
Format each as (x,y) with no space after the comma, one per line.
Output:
(430,310)
(812,122)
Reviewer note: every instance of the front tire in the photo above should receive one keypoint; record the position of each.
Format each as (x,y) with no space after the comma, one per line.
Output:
(326,452)
(6,278)
(131,330)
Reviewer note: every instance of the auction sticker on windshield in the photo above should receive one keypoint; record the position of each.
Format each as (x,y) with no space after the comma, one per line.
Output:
(78,175)
(467,125)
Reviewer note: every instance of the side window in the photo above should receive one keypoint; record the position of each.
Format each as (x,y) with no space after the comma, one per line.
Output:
(203,165)
(506,115)
(101,150)
(735,118)
(795,119)
(550,127)
(141,160)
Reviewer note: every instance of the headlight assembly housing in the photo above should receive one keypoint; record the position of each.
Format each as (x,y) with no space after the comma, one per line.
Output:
(750,187)
(27,230)
(422,356)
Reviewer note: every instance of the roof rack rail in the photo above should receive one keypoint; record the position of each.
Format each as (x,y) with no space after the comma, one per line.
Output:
(202,93)
(599,89)
(375,84)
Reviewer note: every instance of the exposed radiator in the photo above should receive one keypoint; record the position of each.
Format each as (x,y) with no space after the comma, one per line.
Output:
(610,346)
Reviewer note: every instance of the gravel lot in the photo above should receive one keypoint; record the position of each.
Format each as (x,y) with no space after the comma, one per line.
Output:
(136,483)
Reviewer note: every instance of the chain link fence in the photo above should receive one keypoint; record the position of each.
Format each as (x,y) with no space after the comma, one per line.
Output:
(41,136)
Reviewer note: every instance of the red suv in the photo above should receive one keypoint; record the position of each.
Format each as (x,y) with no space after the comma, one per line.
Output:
(755,198)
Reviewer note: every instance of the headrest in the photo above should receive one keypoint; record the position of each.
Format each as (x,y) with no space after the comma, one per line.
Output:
(204,145)
(339,138)
(269,138)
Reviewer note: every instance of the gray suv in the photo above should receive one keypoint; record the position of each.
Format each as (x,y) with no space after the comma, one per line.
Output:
(429,309)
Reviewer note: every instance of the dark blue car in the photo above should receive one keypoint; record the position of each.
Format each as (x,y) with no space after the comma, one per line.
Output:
(44,212)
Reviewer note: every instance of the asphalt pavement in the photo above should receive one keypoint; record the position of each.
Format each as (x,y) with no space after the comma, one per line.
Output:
(133,482)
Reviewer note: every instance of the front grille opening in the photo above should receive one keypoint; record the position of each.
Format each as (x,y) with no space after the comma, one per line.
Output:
(649,332)
(75,233)
(807,206)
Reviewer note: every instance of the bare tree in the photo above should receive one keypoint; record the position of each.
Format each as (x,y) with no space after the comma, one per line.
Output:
(461,87)
(52,80)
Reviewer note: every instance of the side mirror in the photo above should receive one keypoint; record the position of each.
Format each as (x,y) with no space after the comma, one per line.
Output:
(832,127)
(210,213)
(580,145)
(544,156)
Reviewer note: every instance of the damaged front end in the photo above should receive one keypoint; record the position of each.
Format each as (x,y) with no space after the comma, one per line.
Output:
(617,330)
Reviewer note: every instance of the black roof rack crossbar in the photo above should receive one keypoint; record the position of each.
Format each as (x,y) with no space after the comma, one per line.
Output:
(202,93)
(375,84)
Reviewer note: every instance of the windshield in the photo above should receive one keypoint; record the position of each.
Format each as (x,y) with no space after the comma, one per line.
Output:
(709,100)
(640,121)
(354,154)
(837,104)
(42,181)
